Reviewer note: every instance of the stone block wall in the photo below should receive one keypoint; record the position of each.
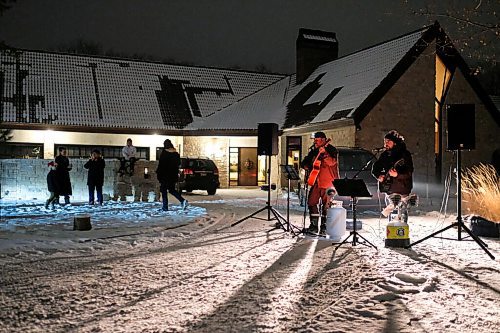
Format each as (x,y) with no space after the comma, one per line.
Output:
(217,149)
(26,179)
(407,107)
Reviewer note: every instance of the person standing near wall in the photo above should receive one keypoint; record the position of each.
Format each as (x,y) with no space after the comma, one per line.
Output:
(95,179)
(63,167)
(52,186)
(168,174)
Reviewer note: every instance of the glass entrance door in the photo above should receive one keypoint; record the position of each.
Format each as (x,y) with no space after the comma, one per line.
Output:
(248,167)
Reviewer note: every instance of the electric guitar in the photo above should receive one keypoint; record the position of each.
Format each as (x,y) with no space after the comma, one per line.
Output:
(385,185)
(315,167)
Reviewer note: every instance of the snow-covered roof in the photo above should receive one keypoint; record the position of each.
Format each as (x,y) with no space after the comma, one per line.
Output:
(70,90)
(264,106)
(496,101)
(339,87)
(333,91)
(97,92)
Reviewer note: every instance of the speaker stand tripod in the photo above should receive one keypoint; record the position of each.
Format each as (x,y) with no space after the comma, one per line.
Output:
(459,223)
(354,188)
(281,222)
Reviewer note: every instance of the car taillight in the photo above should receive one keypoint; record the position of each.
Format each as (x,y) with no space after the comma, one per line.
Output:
(188,171)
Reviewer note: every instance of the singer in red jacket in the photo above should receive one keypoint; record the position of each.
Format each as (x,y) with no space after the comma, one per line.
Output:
(326,156)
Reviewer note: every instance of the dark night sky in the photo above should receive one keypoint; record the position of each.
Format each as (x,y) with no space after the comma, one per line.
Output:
(220,33)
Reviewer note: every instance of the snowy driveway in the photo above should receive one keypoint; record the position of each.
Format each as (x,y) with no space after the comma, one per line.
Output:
(195,273)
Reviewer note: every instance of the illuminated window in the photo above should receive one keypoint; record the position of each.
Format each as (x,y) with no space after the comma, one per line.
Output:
(21,150)
(84,151)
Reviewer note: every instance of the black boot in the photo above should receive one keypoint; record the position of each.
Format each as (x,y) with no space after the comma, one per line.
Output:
(313,225)
(322,229)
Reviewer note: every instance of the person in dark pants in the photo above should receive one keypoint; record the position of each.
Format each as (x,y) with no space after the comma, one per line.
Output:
(322,161)
(52,186)
(168,174)
(95,179)
(394,168)
(63,167)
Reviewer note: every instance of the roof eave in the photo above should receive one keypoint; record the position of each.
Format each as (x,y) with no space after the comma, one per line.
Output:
(121,130)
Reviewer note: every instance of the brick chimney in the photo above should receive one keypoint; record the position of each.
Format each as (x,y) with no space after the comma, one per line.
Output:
(314,48)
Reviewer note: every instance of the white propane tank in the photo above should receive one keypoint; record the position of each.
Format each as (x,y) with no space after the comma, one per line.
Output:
(336,221)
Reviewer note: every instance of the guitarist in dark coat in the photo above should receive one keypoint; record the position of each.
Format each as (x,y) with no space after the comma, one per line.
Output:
(394,168)
(322,161)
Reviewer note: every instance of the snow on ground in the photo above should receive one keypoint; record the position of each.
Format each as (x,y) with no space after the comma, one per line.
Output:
(143,270)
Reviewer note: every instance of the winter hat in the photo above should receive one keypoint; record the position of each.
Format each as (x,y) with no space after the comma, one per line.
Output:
(167,144)
(319,135)
(394,136)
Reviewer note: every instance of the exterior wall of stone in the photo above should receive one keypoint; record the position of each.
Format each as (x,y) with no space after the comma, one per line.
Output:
(217,149)
(407,107)
(26,179)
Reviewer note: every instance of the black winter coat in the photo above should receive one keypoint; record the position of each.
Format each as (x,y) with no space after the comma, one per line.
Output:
(403,183)
(168,166)
(52,185)
(96,171)
(62,175)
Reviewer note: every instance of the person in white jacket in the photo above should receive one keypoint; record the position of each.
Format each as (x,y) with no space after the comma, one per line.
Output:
(128,155)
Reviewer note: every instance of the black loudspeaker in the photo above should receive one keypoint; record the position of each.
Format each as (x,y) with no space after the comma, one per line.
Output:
(267,139)
(461,126)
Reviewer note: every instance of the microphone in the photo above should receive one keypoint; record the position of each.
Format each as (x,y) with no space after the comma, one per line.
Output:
(378,149)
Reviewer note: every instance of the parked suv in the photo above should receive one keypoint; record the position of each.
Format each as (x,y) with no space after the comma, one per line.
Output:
(198,174)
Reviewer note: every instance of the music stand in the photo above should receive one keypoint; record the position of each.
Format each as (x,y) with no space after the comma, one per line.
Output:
(354,188)
(291,174)
(281,221)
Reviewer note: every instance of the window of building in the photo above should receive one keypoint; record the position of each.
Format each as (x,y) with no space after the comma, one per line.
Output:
(84,151)
(21,150)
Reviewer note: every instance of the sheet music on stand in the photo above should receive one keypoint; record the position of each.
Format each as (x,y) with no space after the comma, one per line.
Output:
(351,188)
(290,172)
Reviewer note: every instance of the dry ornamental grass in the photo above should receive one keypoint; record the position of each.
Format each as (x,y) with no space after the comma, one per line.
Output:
(481,191)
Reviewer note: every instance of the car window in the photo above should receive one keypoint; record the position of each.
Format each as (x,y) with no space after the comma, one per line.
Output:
(354,160)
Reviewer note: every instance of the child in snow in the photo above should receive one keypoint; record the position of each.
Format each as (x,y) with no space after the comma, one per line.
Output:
(52,185)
